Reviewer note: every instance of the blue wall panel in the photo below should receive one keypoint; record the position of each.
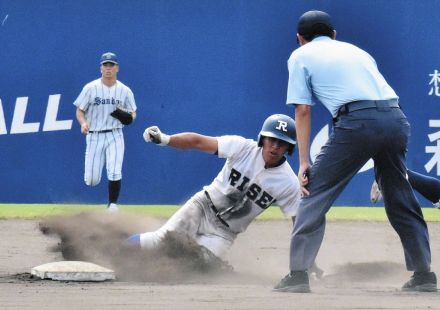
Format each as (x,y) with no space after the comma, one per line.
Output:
(215,67)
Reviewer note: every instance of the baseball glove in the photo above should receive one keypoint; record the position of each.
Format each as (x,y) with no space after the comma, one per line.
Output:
(124,117)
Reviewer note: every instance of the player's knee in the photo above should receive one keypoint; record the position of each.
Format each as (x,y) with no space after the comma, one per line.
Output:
(92,181)
(218,246)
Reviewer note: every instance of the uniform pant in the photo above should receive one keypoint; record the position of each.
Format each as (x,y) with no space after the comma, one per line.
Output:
(104,147)
(195,219)
(378,133)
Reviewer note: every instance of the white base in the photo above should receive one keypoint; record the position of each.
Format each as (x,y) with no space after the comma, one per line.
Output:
(73,271)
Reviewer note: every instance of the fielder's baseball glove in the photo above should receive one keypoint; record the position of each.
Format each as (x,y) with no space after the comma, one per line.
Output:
(124,117)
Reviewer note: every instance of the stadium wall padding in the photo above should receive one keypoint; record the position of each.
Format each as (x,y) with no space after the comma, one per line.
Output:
(213,67)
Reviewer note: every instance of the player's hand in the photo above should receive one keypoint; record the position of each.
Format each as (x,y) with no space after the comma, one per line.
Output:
(153,134)
(85,128)
(303,177)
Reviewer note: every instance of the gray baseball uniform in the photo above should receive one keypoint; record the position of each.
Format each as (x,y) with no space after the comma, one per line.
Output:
(242,190)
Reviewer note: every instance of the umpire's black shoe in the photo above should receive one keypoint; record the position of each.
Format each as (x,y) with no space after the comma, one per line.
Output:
(294,282)
(421,282)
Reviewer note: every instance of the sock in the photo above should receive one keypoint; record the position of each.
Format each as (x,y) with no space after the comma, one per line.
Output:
(114,187)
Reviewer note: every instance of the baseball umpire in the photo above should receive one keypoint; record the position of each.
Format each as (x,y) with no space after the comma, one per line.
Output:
(103,107)
(255,176)
(368,123)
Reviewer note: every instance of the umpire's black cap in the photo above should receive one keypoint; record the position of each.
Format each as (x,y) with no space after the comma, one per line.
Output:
(312,21)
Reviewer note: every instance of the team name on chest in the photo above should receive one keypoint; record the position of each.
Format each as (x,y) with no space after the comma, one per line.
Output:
(99,100)
(254,192)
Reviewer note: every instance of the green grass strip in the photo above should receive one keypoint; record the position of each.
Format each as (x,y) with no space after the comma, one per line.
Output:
(36,211)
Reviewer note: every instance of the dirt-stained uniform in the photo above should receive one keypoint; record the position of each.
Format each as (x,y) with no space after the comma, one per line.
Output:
(243,189)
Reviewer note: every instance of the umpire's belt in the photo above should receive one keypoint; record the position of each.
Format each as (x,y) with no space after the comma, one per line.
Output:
(100,131)
(367,104)
(217,214)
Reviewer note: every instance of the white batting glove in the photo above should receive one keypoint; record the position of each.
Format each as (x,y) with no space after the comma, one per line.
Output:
(153,134)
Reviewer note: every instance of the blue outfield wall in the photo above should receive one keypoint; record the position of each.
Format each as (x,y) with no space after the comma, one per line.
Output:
(214,67)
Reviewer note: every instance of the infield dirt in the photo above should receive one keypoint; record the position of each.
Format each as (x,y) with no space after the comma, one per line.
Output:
(363,263)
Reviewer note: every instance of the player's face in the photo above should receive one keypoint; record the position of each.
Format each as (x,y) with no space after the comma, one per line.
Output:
(273,150)
(109,70)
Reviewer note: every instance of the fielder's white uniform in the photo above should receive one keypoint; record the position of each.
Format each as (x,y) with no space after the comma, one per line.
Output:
(105,140)
(242,190)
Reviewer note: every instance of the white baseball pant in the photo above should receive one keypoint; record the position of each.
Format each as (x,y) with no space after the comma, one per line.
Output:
(196,219)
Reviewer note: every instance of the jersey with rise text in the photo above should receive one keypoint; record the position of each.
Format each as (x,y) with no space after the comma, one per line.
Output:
(98,100)
(244,188)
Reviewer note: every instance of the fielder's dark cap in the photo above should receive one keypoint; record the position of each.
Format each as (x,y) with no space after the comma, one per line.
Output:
(312,21)
(109,57)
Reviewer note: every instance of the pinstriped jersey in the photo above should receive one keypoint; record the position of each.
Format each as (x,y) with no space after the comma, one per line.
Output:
(98,100)
(244,188)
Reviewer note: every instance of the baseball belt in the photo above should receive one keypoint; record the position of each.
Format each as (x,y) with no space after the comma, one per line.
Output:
(367,104)
(216,212)
(100,131)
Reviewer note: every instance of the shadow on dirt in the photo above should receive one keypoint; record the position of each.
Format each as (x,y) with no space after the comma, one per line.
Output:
(385,272)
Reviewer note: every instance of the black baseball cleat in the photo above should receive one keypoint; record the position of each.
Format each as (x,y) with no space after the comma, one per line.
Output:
(422,281)
(294,282)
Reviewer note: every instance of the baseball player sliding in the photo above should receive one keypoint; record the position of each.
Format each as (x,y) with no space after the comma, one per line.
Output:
(255,176)
(103,107)
(425,185)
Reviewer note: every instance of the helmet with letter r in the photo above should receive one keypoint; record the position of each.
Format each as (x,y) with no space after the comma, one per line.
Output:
(281,127)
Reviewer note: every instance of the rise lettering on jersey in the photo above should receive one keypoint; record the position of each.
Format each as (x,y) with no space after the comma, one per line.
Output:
(254,192)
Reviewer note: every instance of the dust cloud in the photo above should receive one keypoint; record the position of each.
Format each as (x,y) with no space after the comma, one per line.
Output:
(100,238)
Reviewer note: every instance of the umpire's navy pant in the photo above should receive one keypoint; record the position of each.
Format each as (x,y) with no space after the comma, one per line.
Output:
(378,133)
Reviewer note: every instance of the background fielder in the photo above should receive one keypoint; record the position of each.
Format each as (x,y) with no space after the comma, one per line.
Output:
(96,107)
(255,176)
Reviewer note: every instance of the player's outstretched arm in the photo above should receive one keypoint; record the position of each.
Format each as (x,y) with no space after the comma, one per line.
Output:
(184,141)
(191,140)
